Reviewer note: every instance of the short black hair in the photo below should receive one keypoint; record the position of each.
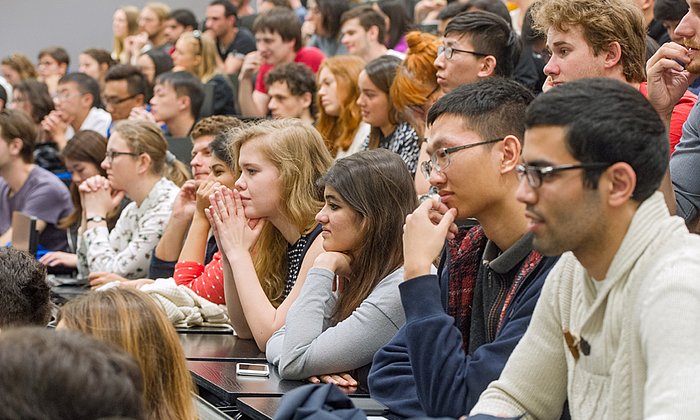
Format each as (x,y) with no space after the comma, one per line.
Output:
(229,8)
(607,121)
(184,17)
(489,34)
(493,107)
(452,10)
(185,84)
(494,6)
(63,374)
(671,10)
(85,83)
(135,80)
(24,292)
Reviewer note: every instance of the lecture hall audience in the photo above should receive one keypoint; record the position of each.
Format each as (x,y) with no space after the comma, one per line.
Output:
(262,101)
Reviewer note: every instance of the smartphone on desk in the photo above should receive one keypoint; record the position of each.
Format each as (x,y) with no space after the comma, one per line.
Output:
(252,369)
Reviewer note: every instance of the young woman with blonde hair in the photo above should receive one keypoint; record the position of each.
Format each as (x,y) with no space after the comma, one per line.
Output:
(125,23)
(265,227)
(138,166)
(339,118)
(133,321)
(196,53)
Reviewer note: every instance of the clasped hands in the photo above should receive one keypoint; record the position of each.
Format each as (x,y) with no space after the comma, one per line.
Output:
(98,197)
(234,232)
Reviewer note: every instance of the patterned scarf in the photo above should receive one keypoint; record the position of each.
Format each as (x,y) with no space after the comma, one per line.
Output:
(465,257)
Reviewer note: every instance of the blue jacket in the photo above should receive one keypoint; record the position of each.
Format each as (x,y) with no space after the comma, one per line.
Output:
(424,369)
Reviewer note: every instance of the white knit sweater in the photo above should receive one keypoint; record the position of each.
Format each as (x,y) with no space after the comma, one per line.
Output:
(643,327)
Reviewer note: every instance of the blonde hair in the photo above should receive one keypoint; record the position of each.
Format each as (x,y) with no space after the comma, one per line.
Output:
(602,22)
(132,24)
(204,47)
(415,77)
(146,137)
(131,320)
(298,152)
(21,64)
(161,10)
(339,131)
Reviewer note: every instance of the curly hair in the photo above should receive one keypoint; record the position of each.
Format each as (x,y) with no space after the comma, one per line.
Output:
(602,22)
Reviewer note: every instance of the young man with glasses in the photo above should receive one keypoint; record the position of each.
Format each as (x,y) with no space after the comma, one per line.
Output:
(462,324)
(615,330)
(476,45)
(125,89)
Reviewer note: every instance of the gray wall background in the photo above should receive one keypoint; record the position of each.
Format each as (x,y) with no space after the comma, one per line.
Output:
(27,26)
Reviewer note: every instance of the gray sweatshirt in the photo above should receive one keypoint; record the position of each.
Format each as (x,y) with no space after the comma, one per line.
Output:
(308,345)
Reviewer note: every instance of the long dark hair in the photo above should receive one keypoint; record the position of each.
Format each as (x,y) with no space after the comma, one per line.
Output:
(89,147)
(377,185)
(398,16)
(381,71)
(37,93)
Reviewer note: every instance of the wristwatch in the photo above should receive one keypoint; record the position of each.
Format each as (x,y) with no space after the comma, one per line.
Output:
(96,219)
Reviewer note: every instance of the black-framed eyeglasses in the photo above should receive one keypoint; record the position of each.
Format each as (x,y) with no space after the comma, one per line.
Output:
(536,175)
(112,100)
(440,159)
(110,154)
(449,52)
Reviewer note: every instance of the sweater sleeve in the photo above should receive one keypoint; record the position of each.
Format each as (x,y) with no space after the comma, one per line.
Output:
(206,281)
(684,162)
(311,349)
(669,319)
(449,381)
(534,379)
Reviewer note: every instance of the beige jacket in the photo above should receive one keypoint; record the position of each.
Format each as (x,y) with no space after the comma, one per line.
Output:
(642,325)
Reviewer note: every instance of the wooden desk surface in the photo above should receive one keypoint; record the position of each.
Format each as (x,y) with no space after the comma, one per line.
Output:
(220,347)
(219,378)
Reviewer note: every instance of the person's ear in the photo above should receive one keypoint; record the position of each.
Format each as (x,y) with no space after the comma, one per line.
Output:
(15,146)
(487,67)
(509,149)
(306,99)
(184,103)
(373,33)
(144,163)
(86,100)
(618,183)
(612,54)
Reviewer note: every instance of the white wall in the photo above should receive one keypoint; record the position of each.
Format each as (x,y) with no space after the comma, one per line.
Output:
(27,26)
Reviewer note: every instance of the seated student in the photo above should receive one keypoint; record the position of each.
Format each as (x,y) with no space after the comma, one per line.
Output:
(265,228)
(83,156)
(322,25)
(32,97)
(615,329)
(95,63)
(177,100)
(24,292)
(27,187)
(278,41)
(388,130)
(363,32)
(463,324)
(76,109)
(196,53)
(153,63)
(169,247)
(178,22)
(207,281)
(125,88)
(16,68)
(292,91)
(53,65)
(56,375)
(133,321)
(139,167)
(368,196)
(339,118)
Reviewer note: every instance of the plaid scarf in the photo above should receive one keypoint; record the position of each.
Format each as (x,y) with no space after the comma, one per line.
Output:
(465,251)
